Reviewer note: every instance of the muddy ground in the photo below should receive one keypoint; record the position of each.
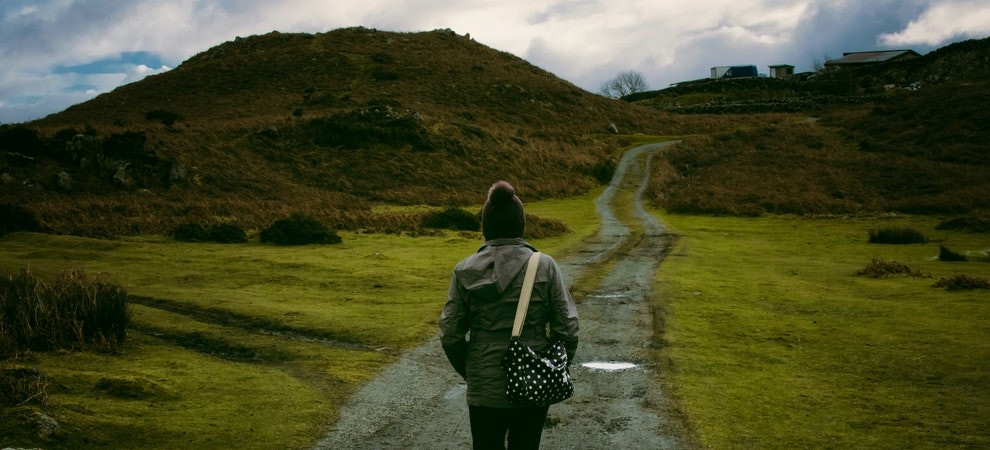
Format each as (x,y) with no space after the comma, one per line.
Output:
(419,403)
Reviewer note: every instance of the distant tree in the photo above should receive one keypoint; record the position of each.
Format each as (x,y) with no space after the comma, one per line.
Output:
(819,64)
(623,84)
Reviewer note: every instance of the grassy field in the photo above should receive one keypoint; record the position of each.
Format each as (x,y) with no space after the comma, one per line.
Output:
(774,342)
(248,345)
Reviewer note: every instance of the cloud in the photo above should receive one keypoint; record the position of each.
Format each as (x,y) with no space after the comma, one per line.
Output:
(54,51)
(944,22)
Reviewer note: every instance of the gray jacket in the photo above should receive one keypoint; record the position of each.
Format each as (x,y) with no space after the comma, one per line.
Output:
(482,299)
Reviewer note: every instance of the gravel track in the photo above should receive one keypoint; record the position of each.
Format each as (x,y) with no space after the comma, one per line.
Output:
(419,403)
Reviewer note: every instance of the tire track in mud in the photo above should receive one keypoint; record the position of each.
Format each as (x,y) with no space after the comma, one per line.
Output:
(418,402)
(252,324)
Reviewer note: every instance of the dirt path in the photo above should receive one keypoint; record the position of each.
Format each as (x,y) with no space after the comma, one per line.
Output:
(418,402)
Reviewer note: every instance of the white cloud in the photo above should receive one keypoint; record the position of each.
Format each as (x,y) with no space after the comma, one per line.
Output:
(943,22)
(582,41)
(138,72)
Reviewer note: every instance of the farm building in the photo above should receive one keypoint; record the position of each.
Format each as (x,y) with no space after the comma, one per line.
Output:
(871,57)
(722,72)
(782,71)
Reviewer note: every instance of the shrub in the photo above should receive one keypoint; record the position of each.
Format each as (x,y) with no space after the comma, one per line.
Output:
(190,232)
(17,218)
(604,171)
(961,282)
(226,233)
(72,313)
(222,233)
(901,235)
(881,267)
(167,118)
(298,229)
(130,144)
(944,254)
(453,219)
(23,140)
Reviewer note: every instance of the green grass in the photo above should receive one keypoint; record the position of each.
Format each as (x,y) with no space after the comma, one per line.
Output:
(214,352)
(772,342)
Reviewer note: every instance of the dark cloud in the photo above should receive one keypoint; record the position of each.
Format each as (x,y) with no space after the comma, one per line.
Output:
(831,28)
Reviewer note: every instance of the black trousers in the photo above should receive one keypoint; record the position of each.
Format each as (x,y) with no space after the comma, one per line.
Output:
(524,426)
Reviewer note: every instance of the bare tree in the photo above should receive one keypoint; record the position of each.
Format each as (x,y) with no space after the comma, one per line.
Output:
(623,84)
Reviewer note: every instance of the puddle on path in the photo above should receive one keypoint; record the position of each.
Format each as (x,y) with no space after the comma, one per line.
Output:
(608,295)
(610,366)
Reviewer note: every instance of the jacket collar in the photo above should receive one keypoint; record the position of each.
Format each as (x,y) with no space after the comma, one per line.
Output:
(506,241)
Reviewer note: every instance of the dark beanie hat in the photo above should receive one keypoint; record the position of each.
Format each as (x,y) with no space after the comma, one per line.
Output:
(502,216)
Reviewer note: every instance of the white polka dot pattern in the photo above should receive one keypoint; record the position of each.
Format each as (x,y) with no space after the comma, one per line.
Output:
(537,379)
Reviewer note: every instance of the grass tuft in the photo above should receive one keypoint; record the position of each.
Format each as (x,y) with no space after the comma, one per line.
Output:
(880,267)
(897,235)
(74,312)
(962,282)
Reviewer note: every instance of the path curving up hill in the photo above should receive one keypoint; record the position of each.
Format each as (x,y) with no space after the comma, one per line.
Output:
(418,402)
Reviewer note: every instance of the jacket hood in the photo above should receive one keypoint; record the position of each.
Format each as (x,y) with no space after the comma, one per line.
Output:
(496,264)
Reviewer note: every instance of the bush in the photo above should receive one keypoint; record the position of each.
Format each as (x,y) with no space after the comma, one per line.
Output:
(897,236)
(73,313)
(961,282)
(17,218)
(167,118)
(222,233)
(881,267)
(299,229)
(190,232)
(453,219)
(604,171)
(23,140)
(226,233)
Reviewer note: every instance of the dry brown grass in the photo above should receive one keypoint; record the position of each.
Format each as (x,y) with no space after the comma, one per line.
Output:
(794,167)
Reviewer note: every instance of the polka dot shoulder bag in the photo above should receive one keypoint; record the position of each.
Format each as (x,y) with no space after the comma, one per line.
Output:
(534,378)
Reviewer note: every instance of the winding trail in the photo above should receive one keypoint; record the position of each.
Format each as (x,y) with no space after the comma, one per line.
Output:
(418,402)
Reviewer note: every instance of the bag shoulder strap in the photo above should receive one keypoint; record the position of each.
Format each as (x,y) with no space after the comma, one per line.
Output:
(527,292)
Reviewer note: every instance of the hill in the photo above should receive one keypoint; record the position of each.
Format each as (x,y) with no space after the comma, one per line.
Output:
(335,124)
(965,61)
(327,124)
(905,137)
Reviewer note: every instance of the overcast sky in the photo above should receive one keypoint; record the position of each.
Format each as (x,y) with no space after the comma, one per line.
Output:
(56,53)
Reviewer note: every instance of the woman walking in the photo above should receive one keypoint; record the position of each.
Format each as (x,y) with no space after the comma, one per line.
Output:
(482,299)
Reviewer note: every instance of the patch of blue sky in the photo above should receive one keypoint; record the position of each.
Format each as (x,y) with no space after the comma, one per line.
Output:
(119,64)
(23,100)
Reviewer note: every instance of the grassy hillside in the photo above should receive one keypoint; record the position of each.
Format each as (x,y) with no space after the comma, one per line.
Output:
(322,123)
(873,146)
